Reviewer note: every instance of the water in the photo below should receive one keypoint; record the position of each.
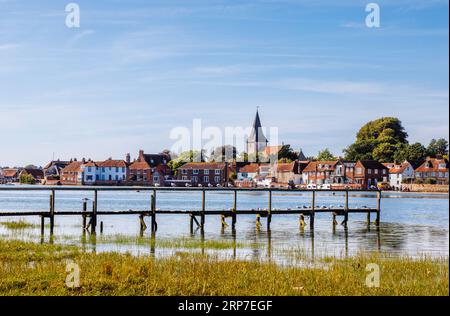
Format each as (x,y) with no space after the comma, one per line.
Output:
(411,224)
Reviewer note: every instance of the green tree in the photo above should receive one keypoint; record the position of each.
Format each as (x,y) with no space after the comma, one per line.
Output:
(378,139)
(411,152)
(325,155)
(185,157)
(26,179)
(223,153)
(287,153)
(438,147)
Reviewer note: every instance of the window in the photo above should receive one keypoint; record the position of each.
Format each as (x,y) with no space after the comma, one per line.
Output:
(369,171)
(183,171)
(195,171)
(195,178)
(376,171)
(384,171)
(217,179)
(184,178)
(206,179)
(155,179)
(89,169)
(206,171)
(123,169)
(117,169)
(217,171)
(358,170)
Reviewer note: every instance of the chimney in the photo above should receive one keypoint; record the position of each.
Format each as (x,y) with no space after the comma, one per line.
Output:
(141,155)
(83,160)
(128,158)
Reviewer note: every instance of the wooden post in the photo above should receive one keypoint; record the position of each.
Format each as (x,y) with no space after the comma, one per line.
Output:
(346,209)
(313,210)
(42,225)
(153,208)
(233,216)
(84,213)
(334,219)
(52,211)
(202,215)
(269,211)
(302,221)
(101,227)
(258,221)
(191,223)
(94,213)
(368,218)
(377,220)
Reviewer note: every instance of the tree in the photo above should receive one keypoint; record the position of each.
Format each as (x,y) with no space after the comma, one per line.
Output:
(438,147)
(325,155)
(412,152)
(223,153)
(286,152)
(378,140)
(185,157)
(26,178)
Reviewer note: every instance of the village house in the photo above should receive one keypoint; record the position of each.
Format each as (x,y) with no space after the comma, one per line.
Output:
(150,169)
(36,174)
(433,170)
(288,172)
(88,172)
(52,171)
(73,173)
(319,172)
(399,174)
(11,175)
(205,173)
(369,173)
(2,176)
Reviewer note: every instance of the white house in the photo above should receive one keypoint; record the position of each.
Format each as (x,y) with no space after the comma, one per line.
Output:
(248,172)
(104,172)
(400,173)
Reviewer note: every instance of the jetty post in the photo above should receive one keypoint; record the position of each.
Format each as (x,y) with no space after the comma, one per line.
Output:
(377,220)
(52,211)
(345,209)
(233,215)
(313,210)
(94,213)
(153,209)
(202,214)
(269,210)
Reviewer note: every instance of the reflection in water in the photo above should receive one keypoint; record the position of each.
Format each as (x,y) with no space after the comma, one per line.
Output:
(409,225)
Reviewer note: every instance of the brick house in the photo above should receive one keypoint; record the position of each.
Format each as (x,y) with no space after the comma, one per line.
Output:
(72,174)
(370,172)
(205,173)
(433,169)
(319,172)
(287,172)
(150,169)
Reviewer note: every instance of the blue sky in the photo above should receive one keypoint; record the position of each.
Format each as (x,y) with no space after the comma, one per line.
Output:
(136,69)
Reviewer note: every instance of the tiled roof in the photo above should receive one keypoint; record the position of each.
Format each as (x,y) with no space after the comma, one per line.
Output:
(321,166)
(139,165)
(372,164)
(251,168)
(36,173)
(10,172)
(203,165)
(285,167)
(432,164)
(74,166)
(112,163)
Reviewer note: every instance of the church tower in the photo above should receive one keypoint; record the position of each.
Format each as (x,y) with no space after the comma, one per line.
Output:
(256,142)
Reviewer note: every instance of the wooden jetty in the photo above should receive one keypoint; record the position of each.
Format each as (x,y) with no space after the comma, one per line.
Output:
(197,217)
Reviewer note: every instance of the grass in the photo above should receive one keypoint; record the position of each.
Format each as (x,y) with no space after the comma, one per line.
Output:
(40,269)
(186,243)
(18,225)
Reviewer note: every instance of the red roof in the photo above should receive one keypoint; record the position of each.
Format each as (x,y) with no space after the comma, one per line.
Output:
(10,173)
(74,166)
(321,166)
(203,165)
(433,165)
(112,163)
(251,168)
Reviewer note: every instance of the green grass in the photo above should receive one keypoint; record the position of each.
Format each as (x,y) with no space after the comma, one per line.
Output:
(186,243)
(39,269)
(18,225)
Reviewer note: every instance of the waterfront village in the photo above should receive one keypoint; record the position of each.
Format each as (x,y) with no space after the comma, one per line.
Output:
(292,170)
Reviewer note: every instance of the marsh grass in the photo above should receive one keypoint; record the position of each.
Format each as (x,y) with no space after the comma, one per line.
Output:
(185,243)
(39,269)
(18,225)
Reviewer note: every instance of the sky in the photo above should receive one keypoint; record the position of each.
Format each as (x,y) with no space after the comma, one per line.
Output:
(136,69)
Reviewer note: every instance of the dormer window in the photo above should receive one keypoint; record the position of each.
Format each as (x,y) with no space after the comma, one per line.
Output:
(195,171)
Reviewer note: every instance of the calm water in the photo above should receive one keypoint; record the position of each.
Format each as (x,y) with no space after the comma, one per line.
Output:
(411,224)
